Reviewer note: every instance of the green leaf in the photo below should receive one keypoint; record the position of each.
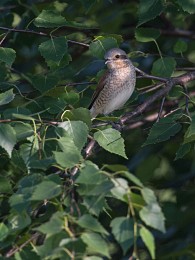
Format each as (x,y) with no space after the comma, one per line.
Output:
(23,130)
(4,72)
(54,50)
(121,189)
(164,67)
(101,45)
(77,130)
(146,34)
(191,129)
(4,231)
(180,46)
(20,201)
(190,133)
(54,105)
(148,195)
(8,113)
(151,214)
(90,174)
(162,131)
(187,5)
(23,117)
(7,138)
(19,221)
(78,114)
(137,200)
(51,248)
(183,150)
(88,222)
(148,240)
(44,82)
(93,182)
(49,19)
(111,140)
(53,226)
(148,10)
(95,244)
(5,186)
(7,55)
(95,204)
(132,178)
(46,190)
(6,97)
(88,4)
(71,97)
(70,155)
(52,19)
(122,229)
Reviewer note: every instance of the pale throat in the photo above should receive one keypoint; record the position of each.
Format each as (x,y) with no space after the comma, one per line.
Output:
(119,64)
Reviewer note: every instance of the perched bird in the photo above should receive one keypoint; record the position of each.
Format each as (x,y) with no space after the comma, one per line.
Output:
(116,85)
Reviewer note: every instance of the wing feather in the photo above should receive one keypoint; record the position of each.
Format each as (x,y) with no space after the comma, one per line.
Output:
(99,88)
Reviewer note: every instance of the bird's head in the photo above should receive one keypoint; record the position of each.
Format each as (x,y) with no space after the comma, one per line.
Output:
(116,58)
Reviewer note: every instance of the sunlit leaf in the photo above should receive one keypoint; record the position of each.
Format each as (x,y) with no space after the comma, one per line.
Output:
(111,140)
(7,138)
(148,239)
(77,130)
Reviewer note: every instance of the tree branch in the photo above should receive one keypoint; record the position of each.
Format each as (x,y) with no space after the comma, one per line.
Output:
(40,34)
(179,32)
(181,80)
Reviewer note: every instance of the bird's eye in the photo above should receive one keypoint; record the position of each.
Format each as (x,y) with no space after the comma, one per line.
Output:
(117,56)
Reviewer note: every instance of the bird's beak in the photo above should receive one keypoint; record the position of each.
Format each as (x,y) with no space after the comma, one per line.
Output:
(107,61)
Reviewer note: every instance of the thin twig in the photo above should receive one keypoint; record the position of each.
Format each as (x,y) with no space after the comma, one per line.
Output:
(145,75)
(15,250)
(161,109)
(150,88)
(40,34)
(179,32)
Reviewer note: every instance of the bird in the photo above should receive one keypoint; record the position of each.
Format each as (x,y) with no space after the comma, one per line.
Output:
(116,85)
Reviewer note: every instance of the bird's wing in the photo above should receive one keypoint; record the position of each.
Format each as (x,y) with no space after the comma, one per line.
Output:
(99,88)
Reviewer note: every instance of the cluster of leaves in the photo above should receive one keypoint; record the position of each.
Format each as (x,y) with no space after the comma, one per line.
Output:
(103,210)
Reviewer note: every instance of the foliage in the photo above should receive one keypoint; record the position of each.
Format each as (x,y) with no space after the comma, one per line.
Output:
(130,197)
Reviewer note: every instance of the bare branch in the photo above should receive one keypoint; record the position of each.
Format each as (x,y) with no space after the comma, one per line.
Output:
(179,32)
(145,75)
(16,249)
(181,80)
(40,34)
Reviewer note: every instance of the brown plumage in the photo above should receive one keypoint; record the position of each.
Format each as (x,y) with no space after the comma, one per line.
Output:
(116,85)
